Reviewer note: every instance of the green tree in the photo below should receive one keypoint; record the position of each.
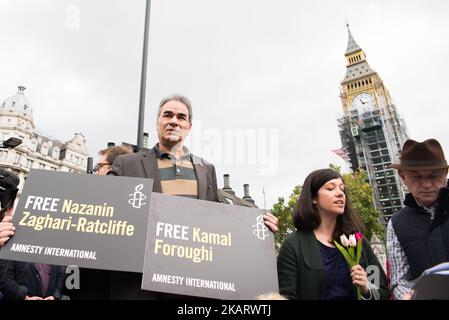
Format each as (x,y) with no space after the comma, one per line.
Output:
(283,211)
(361,196)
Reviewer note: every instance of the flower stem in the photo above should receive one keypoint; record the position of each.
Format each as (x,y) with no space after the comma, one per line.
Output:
(359,294)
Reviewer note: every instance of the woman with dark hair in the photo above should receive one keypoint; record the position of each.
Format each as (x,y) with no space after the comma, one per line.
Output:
(310,267)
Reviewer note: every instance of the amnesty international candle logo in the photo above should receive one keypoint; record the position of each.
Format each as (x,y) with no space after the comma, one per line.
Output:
(79,219)
(137,198)
(207,249)
(260,229)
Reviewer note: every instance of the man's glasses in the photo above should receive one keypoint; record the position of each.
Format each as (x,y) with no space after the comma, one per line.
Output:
(100,165)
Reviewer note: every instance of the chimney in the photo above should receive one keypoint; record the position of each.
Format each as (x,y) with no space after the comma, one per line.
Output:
(246,195)
(227,187)
(111,144)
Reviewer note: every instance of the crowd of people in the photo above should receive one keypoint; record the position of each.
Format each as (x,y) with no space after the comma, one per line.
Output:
(310,264)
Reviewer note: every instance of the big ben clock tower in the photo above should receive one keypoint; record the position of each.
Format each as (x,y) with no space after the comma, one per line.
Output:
(371,131)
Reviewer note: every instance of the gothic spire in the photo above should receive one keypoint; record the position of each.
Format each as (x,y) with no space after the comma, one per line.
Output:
(352,45)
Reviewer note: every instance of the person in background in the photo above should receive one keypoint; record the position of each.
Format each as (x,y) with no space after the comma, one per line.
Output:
(107,157)
(310,267)
(32,281)
(418,234)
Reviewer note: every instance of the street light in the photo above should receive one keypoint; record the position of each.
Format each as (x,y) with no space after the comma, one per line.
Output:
(143,79)
(11,143)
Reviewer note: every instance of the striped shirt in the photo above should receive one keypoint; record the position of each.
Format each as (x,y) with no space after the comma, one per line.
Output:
(399,285)
(178,176)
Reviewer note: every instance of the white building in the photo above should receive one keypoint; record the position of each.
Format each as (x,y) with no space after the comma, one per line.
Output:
(37,150)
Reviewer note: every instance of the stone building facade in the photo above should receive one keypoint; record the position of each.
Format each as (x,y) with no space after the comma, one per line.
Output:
(37,150)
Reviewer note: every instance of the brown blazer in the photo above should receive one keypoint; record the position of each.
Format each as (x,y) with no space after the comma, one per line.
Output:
(144,165)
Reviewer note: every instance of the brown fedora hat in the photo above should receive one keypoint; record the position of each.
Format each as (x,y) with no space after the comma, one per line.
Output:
(427,155)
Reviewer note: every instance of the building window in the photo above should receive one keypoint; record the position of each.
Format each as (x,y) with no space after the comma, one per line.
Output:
(30,164)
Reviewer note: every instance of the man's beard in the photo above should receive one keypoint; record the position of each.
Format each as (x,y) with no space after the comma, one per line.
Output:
(175,136)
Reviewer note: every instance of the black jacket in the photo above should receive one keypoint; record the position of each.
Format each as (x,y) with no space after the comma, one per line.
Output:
(425,241)
(301,272)
(22,279)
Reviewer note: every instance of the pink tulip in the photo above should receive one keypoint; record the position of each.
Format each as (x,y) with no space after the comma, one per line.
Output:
(351,250)
(344,240)
(352,240)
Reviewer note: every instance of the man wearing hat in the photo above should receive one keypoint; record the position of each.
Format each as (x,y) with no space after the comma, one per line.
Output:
(418,234)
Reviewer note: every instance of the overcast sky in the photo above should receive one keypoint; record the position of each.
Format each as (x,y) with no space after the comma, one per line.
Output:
(265,73)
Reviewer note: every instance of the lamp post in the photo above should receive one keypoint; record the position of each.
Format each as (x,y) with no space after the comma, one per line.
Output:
(11,143)
(143,78)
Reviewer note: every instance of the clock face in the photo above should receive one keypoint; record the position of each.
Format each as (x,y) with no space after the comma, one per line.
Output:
(363,102)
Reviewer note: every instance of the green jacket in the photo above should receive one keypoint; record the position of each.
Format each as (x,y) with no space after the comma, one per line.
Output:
(301,272)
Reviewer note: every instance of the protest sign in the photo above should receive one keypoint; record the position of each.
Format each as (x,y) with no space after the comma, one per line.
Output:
(207,249)
(86,220)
